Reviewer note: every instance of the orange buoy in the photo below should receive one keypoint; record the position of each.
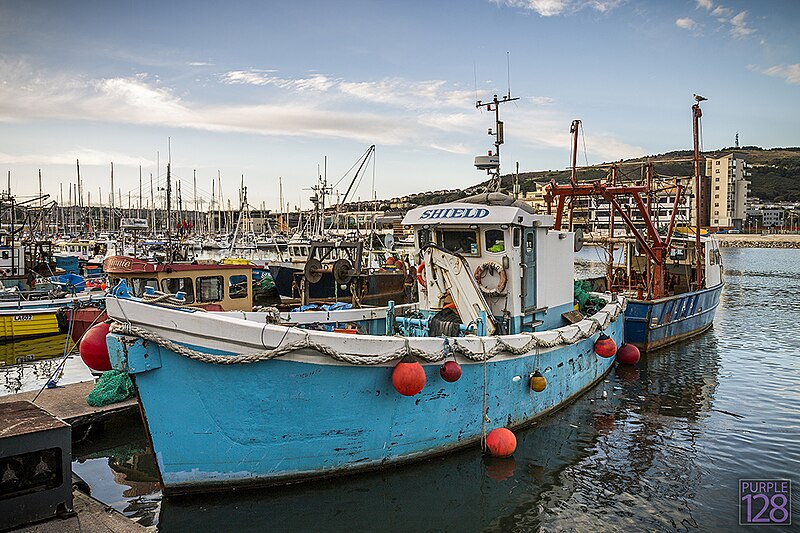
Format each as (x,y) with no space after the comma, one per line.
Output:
(605,346)
(501,442)
(628,354)
(408,377)
(93,349)
(538,382)
(450,371)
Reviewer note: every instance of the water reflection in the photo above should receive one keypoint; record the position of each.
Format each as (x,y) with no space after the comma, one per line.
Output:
(28,364)
(120,467)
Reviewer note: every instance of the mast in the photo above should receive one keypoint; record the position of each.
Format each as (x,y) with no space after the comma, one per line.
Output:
(696,114)
(152,205)
(494,169)
(111,205)
(139,211)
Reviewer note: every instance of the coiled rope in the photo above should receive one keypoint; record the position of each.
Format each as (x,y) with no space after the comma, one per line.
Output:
(306,343)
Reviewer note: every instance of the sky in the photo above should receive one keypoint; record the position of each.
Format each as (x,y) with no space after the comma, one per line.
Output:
(267,91)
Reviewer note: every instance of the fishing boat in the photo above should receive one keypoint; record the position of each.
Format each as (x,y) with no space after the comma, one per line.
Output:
(672,277)
(495,342)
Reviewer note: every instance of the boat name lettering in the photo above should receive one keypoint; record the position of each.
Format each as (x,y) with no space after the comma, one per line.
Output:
(119,263)
(20,318)
(455,212)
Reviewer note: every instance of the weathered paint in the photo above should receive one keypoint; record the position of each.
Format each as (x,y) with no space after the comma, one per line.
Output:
(658,323)
(282,420)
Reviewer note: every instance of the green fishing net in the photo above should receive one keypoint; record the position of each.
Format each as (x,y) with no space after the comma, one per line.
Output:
(587,304)
(112,387)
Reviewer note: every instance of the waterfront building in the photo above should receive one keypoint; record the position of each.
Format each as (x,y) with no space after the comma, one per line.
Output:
(728,189)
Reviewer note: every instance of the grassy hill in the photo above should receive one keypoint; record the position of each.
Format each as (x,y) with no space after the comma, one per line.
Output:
(775,173)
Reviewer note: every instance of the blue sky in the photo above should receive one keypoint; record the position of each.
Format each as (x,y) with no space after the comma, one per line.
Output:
(267,90)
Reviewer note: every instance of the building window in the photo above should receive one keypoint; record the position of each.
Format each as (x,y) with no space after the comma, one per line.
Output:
(716,205)
(716,188)
(718,162)
(717,171)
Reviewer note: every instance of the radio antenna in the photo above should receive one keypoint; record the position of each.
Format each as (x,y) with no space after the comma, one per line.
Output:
(475,72)
(508,73)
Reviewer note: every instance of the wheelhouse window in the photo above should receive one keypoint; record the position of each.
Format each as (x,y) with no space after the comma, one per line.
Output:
(237,286)
(517,237)
(425,236)
(494,241)
(175,285)
(460,241)
(210,289)
(529,242)
(138,285)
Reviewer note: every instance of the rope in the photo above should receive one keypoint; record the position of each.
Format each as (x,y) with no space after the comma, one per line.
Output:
(168,300)
(306,343)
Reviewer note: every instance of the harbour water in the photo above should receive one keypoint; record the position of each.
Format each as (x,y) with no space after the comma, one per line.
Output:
(657,447)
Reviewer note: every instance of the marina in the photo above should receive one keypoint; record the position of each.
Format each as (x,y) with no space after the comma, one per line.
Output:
(663,448)
(263,274)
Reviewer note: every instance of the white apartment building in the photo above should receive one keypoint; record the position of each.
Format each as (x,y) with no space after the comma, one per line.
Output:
(728,190)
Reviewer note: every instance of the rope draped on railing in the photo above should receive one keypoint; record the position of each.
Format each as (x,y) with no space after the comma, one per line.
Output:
(307,343)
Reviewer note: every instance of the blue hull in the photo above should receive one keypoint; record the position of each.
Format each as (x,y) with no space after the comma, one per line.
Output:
(280,421)
(653,324)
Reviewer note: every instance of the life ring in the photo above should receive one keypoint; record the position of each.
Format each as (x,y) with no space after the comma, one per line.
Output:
(491,266)
(420,276)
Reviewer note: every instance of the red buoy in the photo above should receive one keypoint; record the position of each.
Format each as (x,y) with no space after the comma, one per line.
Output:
(450,371)
(501,442)
(93,349)
(628,354)
(408,377)
(605,346)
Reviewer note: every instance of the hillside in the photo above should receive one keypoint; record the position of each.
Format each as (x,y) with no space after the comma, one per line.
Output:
(775,174)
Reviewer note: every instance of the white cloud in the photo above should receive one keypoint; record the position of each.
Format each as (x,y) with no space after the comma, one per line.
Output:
(86,156)
(549,8)
(705,4)
(420,114)
(541,100)
(721,12)
(200,64)
(789,73)
(739,27)
(686,23)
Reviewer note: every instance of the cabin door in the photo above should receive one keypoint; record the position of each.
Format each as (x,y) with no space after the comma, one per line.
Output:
(528,274)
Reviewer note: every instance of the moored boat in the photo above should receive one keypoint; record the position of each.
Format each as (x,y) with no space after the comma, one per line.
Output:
(248,400)
(672,277)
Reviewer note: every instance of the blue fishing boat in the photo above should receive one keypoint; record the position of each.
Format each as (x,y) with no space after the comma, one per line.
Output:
(672,279)
(250,399)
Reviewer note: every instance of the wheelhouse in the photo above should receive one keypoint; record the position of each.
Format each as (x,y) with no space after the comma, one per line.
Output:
(213,286)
